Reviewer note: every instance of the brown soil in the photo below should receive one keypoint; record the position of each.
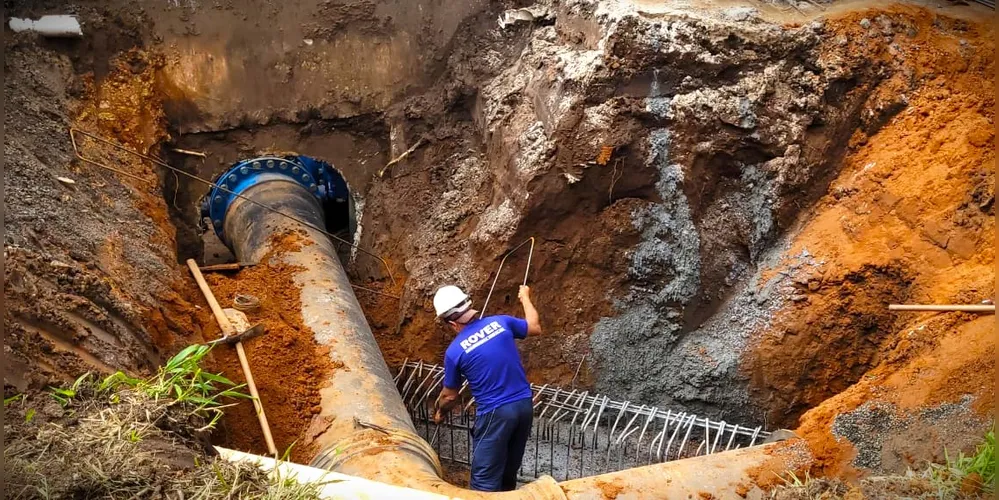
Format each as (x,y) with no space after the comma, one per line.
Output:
(410,330)
(96,283)
(610,490)
(909,219)
(127,108)
(786,458)
(288,365)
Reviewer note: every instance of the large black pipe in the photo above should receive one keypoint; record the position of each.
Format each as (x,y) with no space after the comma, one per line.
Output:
(361,411)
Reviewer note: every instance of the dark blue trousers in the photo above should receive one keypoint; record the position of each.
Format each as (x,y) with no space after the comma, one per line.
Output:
(498,442)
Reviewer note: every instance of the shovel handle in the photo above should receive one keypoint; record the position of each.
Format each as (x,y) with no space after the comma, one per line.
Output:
(227,331)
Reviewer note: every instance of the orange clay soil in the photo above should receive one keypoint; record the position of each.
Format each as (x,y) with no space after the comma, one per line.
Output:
(909,219)
(610,489)
(127,108)
(288,366)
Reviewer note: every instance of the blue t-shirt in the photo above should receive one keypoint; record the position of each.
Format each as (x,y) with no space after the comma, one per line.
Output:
(484,353)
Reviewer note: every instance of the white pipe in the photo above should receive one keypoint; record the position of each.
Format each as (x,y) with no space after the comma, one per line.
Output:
(52,26)
(331,484)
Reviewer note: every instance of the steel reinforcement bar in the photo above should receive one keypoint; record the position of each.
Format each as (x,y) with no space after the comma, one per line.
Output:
(575,434)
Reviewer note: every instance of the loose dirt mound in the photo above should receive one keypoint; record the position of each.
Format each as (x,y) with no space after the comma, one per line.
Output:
(288,365)
(121,443)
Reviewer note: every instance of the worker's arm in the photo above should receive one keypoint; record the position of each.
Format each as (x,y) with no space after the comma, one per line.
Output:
(451,387)
(530,313)
(445,401)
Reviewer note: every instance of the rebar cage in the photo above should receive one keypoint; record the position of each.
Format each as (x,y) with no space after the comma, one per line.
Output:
(575,433)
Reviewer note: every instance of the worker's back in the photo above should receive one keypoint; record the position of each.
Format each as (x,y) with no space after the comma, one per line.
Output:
(485,354)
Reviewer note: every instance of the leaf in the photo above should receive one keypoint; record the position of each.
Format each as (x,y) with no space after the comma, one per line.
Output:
(287,451)
(202,401)
(79,381)
(66,393)
(30,414)
(13,399)
(233,393)
(181,356)
(217,378)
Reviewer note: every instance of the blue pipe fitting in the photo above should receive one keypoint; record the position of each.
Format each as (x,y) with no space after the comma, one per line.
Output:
(317,176)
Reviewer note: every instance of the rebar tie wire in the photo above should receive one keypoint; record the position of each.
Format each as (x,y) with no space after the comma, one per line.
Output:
(157,161)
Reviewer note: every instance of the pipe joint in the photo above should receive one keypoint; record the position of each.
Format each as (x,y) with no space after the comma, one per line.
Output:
(317,177)
(372,442)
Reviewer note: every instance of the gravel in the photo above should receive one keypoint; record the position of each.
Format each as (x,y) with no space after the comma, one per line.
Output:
(881,432)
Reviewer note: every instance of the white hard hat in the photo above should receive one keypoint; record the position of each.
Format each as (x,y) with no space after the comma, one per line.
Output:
(450,300)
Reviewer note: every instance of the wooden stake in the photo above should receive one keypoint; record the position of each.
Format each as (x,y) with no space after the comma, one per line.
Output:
(988,308)
(227,330)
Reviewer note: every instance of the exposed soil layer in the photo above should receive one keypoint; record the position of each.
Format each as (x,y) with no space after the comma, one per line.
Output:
(288,365)
(90,279)
(723,205)
(910,219)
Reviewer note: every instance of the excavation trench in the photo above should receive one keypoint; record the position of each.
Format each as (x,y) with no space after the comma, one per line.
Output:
(275,217)
(723,199)
(698,236)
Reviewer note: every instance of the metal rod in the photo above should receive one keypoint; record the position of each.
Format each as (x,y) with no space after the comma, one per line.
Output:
(530,254)
(566,437)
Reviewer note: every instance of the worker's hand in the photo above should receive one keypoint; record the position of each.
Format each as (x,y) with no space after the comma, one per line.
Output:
(438,416)
(524,294)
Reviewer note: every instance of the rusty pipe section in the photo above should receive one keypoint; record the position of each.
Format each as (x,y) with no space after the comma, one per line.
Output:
(363,428)
(362,415)
(735,474)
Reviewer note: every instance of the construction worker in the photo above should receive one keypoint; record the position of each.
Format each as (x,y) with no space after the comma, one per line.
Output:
(484,353)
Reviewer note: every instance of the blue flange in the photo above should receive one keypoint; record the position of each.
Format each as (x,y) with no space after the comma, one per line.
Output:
(319,177)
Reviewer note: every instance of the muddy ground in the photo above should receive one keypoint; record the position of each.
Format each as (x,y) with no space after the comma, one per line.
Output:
(724,199)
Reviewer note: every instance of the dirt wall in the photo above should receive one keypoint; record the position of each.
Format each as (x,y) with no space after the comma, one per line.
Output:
(252,63)
(910,219)
(90,278)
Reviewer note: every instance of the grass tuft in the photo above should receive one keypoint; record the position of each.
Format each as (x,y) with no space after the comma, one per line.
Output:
(124,437)
(968,473)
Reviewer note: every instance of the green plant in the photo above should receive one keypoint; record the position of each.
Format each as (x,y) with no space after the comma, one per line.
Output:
(181,381)
(29,415)
(65,396)
(978,469)
(134,436)
(13,399)
(287,452)
(116,380)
